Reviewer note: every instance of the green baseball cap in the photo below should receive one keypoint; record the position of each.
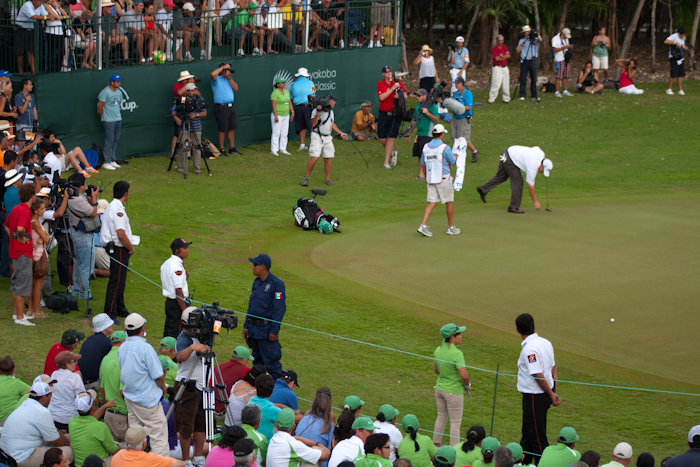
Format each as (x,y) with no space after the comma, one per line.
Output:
(165,361)
(363,423)
(517,451)
(242,352)
(409,421)
(168,343)
(567,435)
(389,412)
(117,336)
(446,455)
(451,329)
(72,336)
(285,418)
(353,403)
(489,444)
(279,80)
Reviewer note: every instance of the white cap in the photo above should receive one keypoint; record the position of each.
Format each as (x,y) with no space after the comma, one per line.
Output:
(623,451)
(566,32)
(190,87)
(302,72)
(42,389)
(459,39)
(134,321)
(44,192)
(548,166)
(188,7)
(186,313)
(101,322)
(695,431)
(439,128)
(101,205)
(85,400)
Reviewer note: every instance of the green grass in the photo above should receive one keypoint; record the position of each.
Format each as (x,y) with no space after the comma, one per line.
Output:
(624,186)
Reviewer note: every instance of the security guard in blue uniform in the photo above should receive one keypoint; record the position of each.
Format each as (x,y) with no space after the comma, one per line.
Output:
(265,313)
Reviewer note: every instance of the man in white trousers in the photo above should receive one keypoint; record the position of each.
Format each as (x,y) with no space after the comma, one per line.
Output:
(500,76)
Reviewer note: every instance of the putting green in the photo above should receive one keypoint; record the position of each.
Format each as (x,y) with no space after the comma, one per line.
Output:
(574,269)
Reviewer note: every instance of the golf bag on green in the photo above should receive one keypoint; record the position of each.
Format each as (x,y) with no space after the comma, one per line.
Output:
(309,216)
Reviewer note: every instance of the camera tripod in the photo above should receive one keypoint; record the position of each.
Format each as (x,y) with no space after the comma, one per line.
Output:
(187,144)
(210,366)
(534,77)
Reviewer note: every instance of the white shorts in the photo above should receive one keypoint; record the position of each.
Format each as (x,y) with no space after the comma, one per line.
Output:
(443,192)
(321,145)
(600,63)
(62,160)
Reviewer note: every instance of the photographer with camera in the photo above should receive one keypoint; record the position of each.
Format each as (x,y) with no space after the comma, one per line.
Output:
(562,58)
(599,50)
(629,69)
(458,59)
(59,160)
(187,112)
(82,205)
(189,409)
(323,123)
(389,121)
(586,82)
(223,86)
(266,310)
(676,41)
(528,47)
(427,74)
(173,277)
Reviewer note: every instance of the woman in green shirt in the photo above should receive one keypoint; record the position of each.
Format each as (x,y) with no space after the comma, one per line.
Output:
(282,112)
(453,379)
(488,447)
(12,390)
(419,449)
(469,451)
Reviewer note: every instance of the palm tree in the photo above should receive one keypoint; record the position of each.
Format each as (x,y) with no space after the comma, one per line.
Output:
(503,11)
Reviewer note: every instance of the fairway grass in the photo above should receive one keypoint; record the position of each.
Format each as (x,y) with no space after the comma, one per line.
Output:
(621,238)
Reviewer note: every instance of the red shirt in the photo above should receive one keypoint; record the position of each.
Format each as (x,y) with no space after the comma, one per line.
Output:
(496,51)
(50,364)
(21,216)
(625,80)
(177,86)
(387,105)
(232,372)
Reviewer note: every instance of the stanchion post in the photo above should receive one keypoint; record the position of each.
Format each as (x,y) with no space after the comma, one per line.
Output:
(495,391)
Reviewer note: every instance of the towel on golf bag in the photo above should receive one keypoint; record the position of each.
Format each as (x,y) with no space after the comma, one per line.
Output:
(460,151)
(309,216)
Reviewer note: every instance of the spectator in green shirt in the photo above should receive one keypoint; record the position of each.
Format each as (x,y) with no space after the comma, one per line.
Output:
(563,453)
(88,435)
(250,421)
(469,451)
(167,349)
(417,448)
(13,391)
(488,448)
(424,128)
(243,25)
(117,338)
(282,114)
(110,383)
(377,450)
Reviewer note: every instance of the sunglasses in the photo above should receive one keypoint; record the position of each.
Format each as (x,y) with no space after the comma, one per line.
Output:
(255,265)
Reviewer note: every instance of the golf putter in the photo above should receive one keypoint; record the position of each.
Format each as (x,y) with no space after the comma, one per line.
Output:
(546,188)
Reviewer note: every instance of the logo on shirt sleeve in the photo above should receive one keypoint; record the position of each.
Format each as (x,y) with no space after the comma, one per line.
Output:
(278,295)
(178,273)
(120,214)
(532,358)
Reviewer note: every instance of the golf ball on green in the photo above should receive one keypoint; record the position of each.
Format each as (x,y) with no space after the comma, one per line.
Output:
(612,320)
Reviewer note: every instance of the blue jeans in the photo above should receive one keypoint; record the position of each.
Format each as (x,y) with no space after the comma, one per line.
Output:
(5,255)
(85,262)
(113,131)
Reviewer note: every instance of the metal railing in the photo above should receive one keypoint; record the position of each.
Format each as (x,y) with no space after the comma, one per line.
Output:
(136,38)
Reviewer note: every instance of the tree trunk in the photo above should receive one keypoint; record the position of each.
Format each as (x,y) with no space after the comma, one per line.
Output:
(612,29)
(404,58)
(444,13)
(544,62)
(536,12)
(670,18)
(494,32)
(653,36)
(693,34)
(482,53)
(431,21)
(562,18)
(629,33)
(457,20)
(471,25)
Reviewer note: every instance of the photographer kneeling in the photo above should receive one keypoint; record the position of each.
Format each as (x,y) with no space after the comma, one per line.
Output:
(82,208)
(189,412)
(323,123)
(187,112)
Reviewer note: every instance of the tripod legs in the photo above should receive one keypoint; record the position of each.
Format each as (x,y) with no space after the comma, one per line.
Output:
(188,142)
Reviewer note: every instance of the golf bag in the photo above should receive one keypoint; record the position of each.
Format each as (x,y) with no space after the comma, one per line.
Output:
(309,216)
(63,303)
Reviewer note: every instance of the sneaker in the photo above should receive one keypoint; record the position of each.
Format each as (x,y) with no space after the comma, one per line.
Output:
(256,51)
(240,53)
(452,231)
(394,158)
(342,44)
(567,93)
(328,182)
(669,92)
(387,166)
(42,304)
(143,60)
(475,156)
(371,44)
(189,57)
(108,166)
(198,461)
(681,93)
(303,147)
(598,92)
(235,151)
(378,44)
(521,98)
(189,463)
(305,181)
(274,153)
(115,165)
(92,170)
(84,174)
(286,153)
(423,230)
(202,55)
(24,322)
(557,94)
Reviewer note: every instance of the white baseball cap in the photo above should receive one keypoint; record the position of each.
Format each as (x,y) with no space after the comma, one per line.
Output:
(566,32)
(302,72)
(623,451)
(134,321)
(548,166)
(85,400)
(695,431)
(185,316)
(41,389)
(188,7)
(459,39)
(439,128)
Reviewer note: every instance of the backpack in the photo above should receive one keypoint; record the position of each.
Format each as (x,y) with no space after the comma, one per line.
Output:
(548,87)
(306,213)
(61,302)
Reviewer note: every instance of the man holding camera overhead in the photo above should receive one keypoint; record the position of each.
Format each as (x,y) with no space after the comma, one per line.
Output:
(80,206)
(527,48)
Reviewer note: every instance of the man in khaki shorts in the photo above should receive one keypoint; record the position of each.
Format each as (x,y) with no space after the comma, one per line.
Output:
(323,123)
(437,158)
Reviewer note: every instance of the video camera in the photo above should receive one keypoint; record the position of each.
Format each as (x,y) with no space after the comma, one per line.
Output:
(314,102)
(36,169)
(62,187)
(185,105)
(532,36)
(208,320)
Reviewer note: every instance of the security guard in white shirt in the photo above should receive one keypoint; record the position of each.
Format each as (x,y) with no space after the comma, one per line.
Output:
(117,238)
(173,277)
(537,377)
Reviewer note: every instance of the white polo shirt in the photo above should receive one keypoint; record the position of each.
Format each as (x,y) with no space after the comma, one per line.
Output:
(536,356)
(173,276)
(394,436)
(346,450)
(557,43)
(528,160)
(113,219)
(285,451)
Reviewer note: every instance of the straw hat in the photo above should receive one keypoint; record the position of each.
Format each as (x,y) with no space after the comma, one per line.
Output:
(426,47)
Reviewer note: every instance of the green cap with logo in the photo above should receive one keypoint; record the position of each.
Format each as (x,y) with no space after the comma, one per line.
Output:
(117,336)
(353,403)
(166,363)
(168,343)
(451,329)
(242,352)
(446,455)
(567,435)
(71,337)
(363,423)
(489,444)
(388,411)
(409,421)
(285,418)
(517,451)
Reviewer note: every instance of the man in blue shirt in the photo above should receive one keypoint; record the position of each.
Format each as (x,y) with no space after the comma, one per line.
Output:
(144,383)
(109,109)
(459,61)
(300,91)
(284,391)
(528,62)
(437,158)
(461,125)
(223,86)
(26,106)
(266,310)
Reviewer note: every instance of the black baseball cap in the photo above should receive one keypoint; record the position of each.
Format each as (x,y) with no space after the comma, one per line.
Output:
(179,243)
(331,97)
(243,447)
(263,259)
(290,375)
(386,68)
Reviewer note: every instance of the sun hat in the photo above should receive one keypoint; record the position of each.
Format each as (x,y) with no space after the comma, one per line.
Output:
(302,72)
(439,128)
(134,321)
(426,47)
(446,455)
(566,32)
(409,421)
(168,343)
(353,403)
(548,166)
(459,39)
(525,28)
(136,434)
(623,451)
(107,3)
(389,412)
(567,435)
(101,322)
(44,192)
(66,356)
(285,418)
(185,74)
(4,124)
(364,423)
(489,444)
(366,104)
(517,451)
(241,352)
(11,177)
(117,336)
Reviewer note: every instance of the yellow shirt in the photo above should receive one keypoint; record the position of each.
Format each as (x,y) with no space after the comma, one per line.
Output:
(287,14)
(359,119)
(388,35)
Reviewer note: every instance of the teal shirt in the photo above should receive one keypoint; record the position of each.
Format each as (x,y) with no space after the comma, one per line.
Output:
(111,112)
(424,126)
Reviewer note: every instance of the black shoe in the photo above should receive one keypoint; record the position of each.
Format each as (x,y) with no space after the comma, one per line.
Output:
(481,193)
(516,211)
(223,152)
(123,315)
(117,322)
(475,156)
(235,151)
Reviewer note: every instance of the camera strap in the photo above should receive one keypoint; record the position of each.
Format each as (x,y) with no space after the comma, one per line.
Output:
(317,128)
